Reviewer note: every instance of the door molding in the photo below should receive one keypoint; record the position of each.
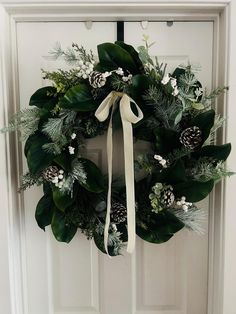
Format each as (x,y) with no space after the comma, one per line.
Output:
(221,220)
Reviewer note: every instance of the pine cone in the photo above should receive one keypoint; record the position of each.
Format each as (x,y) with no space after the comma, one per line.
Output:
(97,79)
(167,197)
(191,137)
(51,173)
(118,213)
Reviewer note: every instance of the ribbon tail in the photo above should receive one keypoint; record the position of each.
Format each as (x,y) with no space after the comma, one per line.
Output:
(109,161)
(129,179)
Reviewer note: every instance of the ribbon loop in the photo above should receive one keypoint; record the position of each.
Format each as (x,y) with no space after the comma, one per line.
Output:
(128,118)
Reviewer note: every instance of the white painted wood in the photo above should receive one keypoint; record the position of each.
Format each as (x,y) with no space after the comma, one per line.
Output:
(70,274)
(200,10)
(5,263)
(229,269)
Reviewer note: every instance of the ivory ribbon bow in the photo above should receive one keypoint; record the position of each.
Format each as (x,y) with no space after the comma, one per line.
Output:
(127,118)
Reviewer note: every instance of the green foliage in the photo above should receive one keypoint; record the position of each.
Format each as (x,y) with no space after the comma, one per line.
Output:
(53,128)
(217,152)
(115,243)
(173,174)
(166,140)
(44,211)
(72,55)
(37,158)
(26,121)
(167,110)
(94,182)
(134,54)
(62,200)
(205,122)
(63,80)
(62,230)
(45,97)
(193,219)
(160,227)
(62,120)
(28,180)
(112,56)
(194,191)
(205,169)
(78,98)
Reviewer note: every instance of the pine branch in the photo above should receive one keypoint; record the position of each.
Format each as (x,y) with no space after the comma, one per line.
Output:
(177,154)
(28,180)
(166,108)
(193,219)
(68,55)
(53,128)
(63,80)
(78,172)
(218,123)
(114,238)
(52,148)
(204,170)
(26,121)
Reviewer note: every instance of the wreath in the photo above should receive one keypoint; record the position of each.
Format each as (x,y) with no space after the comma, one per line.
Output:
(124,89)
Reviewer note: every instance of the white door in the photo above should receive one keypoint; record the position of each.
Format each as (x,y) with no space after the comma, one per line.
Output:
(58,278)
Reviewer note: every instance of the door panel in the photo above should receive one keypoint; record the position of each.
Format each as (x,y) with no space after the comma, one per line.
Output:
(170,278)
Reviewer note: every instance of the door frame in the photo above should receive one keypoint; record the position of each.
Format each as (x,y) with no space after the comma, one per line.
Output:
(222,231)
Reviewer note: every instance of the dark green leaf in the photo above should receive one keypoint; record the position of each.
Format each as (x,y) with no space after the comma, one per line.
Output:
(99,241)
(47,188)
(173,174)
(177,72)
(205,122)
(44,211)
(44,97)
(62,230)
(37,158)
(64,160)
(166,140)
(218,152)
(194,191)
(95,181)
(140,84)
(112,56)
(134,54)
(78,98)
(161,228)
(62,200)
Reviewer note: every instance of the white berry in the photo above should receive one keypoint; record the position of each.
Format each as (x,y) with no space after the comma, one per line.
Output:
(73,136)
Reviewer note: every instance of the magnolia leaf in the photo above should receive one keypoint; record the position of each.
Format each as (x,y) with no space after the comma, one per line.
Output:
(62,230)
(218,152)
(194,191)
(112,56)
(174,174)
(44,97)
(78,98)
(62,200)
(134,54)
(166,140)
(37,158)
(140,83)
(44,211)
(160,229)
(94,182)
(205,122)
